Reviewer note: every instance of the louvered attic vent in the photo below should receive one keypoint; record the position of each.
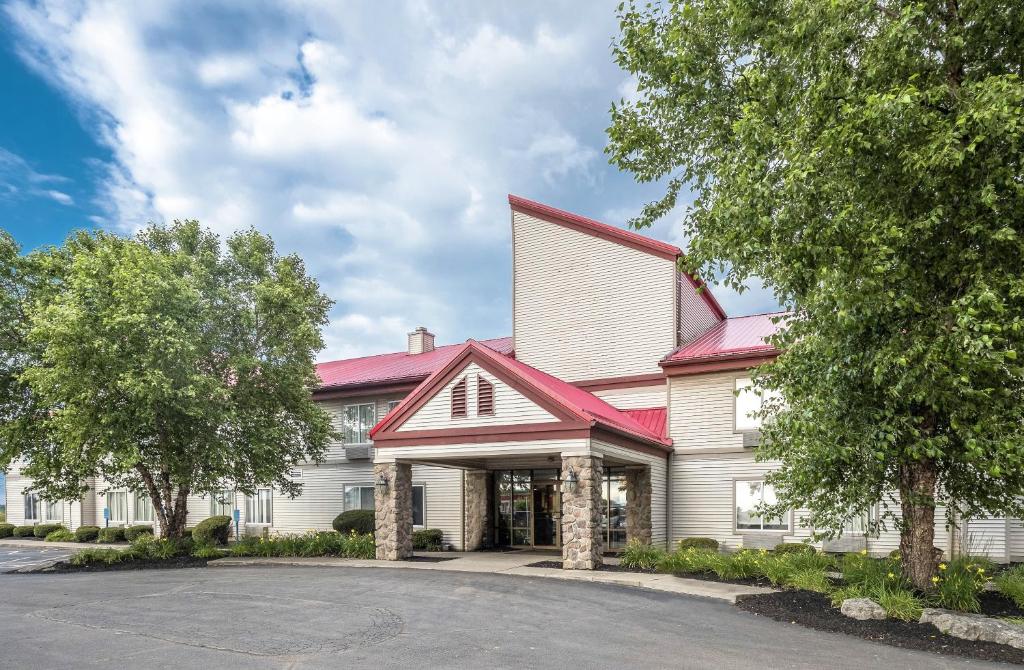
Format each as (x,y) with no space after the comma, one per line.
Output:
(459,399)
(484,396)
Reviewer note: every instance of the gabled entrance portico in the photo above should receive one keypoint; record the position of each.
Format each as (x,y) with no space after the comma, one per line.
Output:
(538,464)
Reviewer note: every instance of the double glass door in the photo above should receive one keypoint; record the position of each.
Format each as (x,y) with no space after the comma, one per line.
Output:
(528,508)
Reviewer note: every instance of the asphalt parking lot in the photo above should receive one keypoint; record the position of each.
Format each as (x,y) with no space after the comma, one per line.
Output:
(14,558)
(276,617)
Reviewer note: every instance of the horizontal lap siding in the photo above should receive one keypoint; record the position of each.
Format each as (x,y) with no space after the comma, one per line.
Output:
(588,308)
(510,406)
(336,410)
(988,537)
(702,412)
(659,485)
(15,484)
(695,315)
(1016,539)
(635,398)
(443,490)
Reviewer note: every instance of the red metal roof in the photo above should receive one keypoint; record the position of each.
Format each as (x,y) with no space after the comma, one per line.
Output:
(397,367)
(654,418)
(733,338)
(584,405)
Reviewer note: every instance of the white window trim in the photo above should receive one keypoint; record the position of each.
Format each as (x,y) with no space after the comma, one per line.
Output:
(344,419)
(261,524)
(788,516)
(231,501)
(370,485)
(135,509)
(37,517)
(46,511)
(106,503)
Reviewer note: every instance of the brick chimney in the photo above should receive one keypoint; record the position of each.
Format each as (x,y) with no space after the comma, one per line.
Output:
(421,341)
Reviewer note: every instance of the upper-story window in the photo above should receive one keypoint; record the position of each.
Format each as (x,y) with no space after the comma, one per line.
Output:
(484,397)
(359,419)
(459,409)
(393,404)
(748,403)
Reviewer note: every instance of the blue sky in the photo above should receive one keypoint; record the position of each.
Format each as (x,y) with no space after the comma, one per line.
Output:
(378,140)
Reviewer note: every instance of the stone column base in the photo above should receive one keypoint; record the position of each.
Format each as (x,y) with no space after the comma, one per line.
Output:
(582,542)
(638,504)
(477,516)
(393,515)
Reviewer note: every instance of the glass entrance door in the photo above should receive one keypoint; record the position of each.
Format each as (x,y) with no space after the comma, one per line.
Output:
(547,506)
(528,508)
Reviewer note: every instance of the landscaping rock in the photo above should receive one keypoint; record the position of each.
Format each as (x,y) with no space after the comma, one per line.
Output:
(862,609)
(974,627)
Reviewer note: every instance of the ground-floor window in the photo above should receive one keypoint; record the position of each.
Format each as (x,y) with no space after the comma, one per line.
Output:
(613,508)
(748,496)
(143,508)
(31,507)
(117,503)
(361,496)
(259,508)
(55,511)
(221,503)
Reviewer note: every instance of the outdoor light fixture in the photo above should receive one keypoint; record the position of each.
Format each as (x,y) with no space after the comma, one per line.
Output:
(572,482)
(382,483)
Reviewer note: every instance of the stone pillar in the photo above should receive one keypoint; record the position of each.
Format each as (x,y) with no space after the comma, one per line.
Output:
(394,511)
(477,510)
(582,542)
(638,504)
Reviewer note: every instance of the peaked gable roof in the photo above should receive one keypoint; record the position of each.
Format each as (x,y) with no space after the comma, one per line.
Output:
(565,401)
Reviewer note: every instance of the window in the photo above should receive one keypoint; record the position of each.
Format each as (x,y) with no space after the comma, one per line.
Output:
(360,496)
(749,495)
(143,508)
(259,508)
(55,511)
(222,503)
(747,403)
(31,507)
(484,397)
(393,404)
(459,399)
(117,503)
(860,524)
(359,419)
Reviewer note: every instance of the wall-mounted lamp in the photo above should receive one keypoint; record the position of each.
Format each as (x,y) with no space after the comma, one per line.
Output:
(572,482)
(382,483)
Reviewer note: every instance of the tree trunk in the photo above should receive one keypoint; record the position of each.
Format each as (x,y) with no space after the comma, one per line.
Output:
(918,480)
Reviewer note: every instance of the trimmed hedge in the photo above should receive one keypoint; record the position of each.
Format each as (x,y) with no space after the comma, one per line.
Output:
(44,529)
(361,521)
(112,534)
(87,533)
(794,548)
(61,535)
(6,529)
(133,532)
(24,531)
(698,543)
(428,539)
(214,530)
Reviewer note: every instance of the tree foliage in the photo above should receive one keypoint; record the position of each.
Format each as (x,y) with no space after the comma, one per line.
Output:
(865,159)
(166,363)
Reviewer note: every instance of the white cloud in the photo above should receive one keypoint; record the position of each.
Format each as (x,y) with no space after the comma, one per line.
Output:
(379,142)
(60,196)
(19,180)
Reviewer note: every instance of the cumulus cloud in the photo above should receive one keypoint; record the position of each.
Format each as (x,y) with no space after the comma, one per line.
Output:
(379,142)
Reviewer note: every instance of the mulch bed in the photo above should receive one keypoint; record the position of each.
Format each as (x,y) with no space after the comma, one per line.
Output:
(712,577)
(557,565)
(429,559)
(814,610)
(169,564)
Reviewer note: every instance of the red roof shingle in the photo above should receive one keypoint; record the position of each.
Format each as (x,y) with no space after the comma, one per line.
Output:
(733,338)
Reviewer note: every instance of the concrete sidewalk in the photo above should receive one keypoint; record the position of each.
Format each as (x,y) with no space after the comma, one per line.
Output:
(516,563)
(40,544)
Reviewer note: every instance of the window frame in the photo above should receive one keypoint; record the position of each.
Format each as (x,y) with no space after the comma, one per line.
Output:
(47,504)
(137,498)
(735,406)
(369,485)
(254,502)
(217,507)
(391,405)
(36,506)
(108,496)
(736,530)
(362,431)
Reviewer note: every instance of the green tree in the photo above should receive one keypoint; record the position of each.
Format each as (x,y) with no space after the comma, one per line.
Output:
(864,158)
(165,363)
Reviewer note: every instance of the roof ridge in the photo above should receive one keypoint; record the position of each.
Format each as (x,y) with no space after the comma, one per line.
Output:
(406,353)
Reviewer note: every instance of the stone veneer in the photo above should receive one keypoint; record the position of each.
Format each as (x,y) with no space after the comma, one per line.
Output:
(393,518)
(477,517)
(638,504)
(582,543)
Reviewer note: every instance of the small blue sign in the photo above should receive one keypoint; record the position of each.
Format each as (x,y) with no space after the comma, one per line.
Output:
(238,519)
(106,516)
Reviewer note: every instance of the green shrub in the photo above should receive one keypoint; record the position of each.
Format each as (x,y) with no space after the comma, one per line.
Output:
(6,529)
(61,535)
(207,551)
(87,533)
(24,531)
(44,529)
(133,532)
(360,545)
(325,543)
(873,573)
(900,603)
(845,592)
(960,582)
(641,555)
(361,521)
(809,579)
(794,548)
(214,530)
(428,539)
(689,561)
(777,569)
(93,556)
(698,543)
(743,564)
(111,534)
(1011,584)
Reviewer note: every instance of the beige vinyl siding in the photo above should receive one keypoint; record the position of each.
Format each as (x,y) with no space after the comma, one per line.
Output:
(635,398)
(336,410)
(659,484)
(442,499)
(701,414)
(510,406)
(588,308)
(15,501)
(1015,539)
(695,316)
(988,537)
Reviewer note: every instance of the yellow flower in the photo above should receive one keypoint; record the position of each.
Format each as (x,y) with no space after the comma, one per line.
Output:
(891,575)
(942,566)
(863,552)
(981,571)
(935,580)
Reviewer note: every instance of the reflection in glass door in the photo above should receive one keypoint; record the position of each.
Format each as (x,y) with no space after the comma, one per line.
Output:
(522,513)
(547,514)
(528,506)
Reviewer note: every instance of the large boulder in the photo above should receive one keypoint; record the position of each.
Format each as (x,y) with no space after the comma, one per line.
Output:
(974,627)
(862,609)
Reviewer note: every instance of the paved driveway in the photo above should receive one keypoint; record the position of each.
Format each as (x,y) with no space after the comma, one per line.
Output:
(379,618)
(12,558)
